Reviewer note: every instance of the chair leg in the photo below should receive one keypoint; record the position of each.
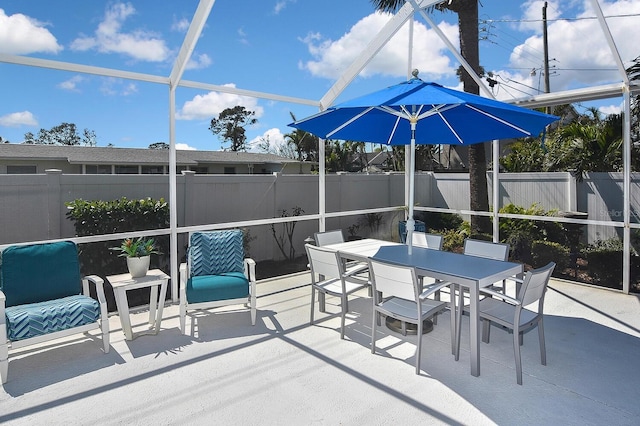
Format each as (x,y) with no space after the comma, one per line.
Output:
(516,353)
(253,309)
(4,362)
(419,348)
(313,301)
(436,296)
(486,330)
(543,349)
(344,314)
(183,316)
(104,325)
(459,320)
(376,320)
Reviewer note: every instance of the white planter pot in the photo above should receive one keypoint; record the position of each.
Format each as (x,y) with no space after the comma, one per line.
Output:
(138,266)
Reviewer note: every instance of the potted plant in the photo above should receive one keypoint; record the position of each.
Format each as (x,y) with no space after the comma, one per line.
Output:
(138,252)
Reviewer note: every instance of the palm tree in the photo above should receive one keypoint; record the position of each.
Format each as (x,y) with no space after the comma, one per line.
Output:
(467,11)
(303,143)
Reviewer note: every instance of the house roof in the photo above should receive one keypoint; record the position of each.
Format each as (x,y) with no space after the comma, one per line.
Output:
(112,155)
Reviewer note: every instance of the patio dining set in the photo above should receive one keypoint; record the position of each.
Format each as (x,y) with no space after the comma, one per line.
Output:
(43,296)
(406,285)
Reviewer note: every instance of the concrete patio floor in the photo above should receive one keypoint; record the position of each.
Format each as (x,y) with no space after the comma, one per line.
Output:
(284,371)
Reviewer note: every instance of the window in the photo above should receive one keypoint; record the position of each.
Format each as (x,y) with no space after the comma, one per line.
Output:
(229,170)
(21,170)
(126,170)
(201,170)
(97,169)
(152,170)
(104,169)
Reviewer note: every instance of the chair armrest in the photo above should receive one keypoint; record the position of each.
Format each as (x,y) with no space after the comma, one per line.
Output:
(499,295)
(432,288)
(184,276)
(3,326)
(98,283)
(355,270)
(250,269)
(515,279)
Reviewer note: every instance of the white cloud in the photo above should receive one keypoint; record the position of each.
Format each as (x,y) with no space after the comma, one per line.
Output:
(72,83)
(333,57)
(242,36)
(22,35)
(180,25)
(17,119)
(109,38)
(273,136)
(200,61)
(185,147)
(213,103)
(532,14)
(117,87)
(579,45)
(610,109)
(280,5)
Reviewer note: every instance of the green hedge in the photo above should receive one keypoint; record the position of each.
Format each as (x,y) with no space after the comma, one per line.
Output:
(543,252)
(117,216)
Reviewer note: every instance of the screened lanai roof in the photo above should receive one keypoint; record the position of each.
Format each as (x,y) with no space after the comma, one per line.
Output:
(138,73)
(282,57)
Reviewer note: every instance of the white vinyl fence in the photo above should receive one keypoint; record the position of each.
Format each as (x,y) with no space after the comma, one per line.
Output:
(32,207)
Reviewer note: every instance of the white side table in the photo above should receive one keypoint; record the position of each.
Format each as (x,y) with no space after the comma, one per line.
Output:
(121,283)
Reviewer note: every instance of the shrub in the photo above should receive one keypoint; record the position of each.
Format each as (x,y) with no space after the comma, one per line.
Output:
(437,221)
(116,216)
(543,252)
(453,240)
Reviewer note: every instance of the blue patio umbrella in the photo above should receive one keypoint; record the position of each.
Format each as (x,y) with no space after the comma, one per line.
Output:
(418,112)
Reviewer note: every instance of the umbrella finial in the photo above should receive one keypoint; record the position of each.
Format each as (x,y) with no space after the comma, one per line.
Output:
(415,73)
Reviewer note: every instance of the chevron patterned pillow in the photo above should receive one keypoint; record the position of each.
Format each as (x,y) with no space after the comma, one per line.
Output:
(216,252)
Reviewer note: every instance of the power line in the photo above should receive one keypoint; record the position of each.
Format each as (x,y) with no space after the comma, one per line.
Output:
(585,18)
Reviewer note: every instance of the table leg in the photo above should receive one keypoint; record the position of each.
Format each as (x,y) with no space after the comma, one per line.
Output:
(123,311)
(163,295)
(474,330)
(153,302)
(459,312)
(454,317)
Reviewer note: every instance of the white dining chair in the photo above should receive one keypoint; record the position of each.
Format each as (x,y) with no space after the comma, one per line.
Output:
(426,240)
(512,314)
(433,242)
(479,248)
(328,277)
(404,299)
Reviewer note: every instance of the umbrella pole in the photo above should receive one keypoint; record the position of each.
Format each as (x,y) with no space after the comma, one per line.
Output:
(412,173)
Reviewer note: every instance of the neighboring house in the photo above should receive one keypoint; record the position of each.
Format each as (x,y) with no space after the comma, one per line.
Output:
(35,159)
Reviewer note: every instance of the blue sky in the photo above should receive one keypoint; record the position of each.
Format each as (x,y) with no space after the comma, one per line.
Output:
(295,48)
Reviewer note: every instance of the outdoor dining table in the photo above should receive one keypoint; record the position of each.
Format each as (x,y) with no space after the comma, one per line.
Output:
(471,272)
(360,250)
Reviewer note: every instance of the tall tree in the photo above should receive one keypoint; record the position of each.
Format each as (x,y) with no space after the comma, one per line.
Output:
(159,145)
(467,11)
(63,134)
(303,143)
(230,126)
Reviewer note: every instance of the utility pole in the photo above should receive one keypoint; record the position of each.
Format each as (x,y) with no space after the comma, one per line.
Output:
(545,42)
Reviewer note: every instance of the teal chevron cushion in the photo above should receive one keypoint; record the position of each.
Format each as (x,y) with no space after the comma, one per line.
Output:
(208,288)
(213,253)
(35,319)
(39,272)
